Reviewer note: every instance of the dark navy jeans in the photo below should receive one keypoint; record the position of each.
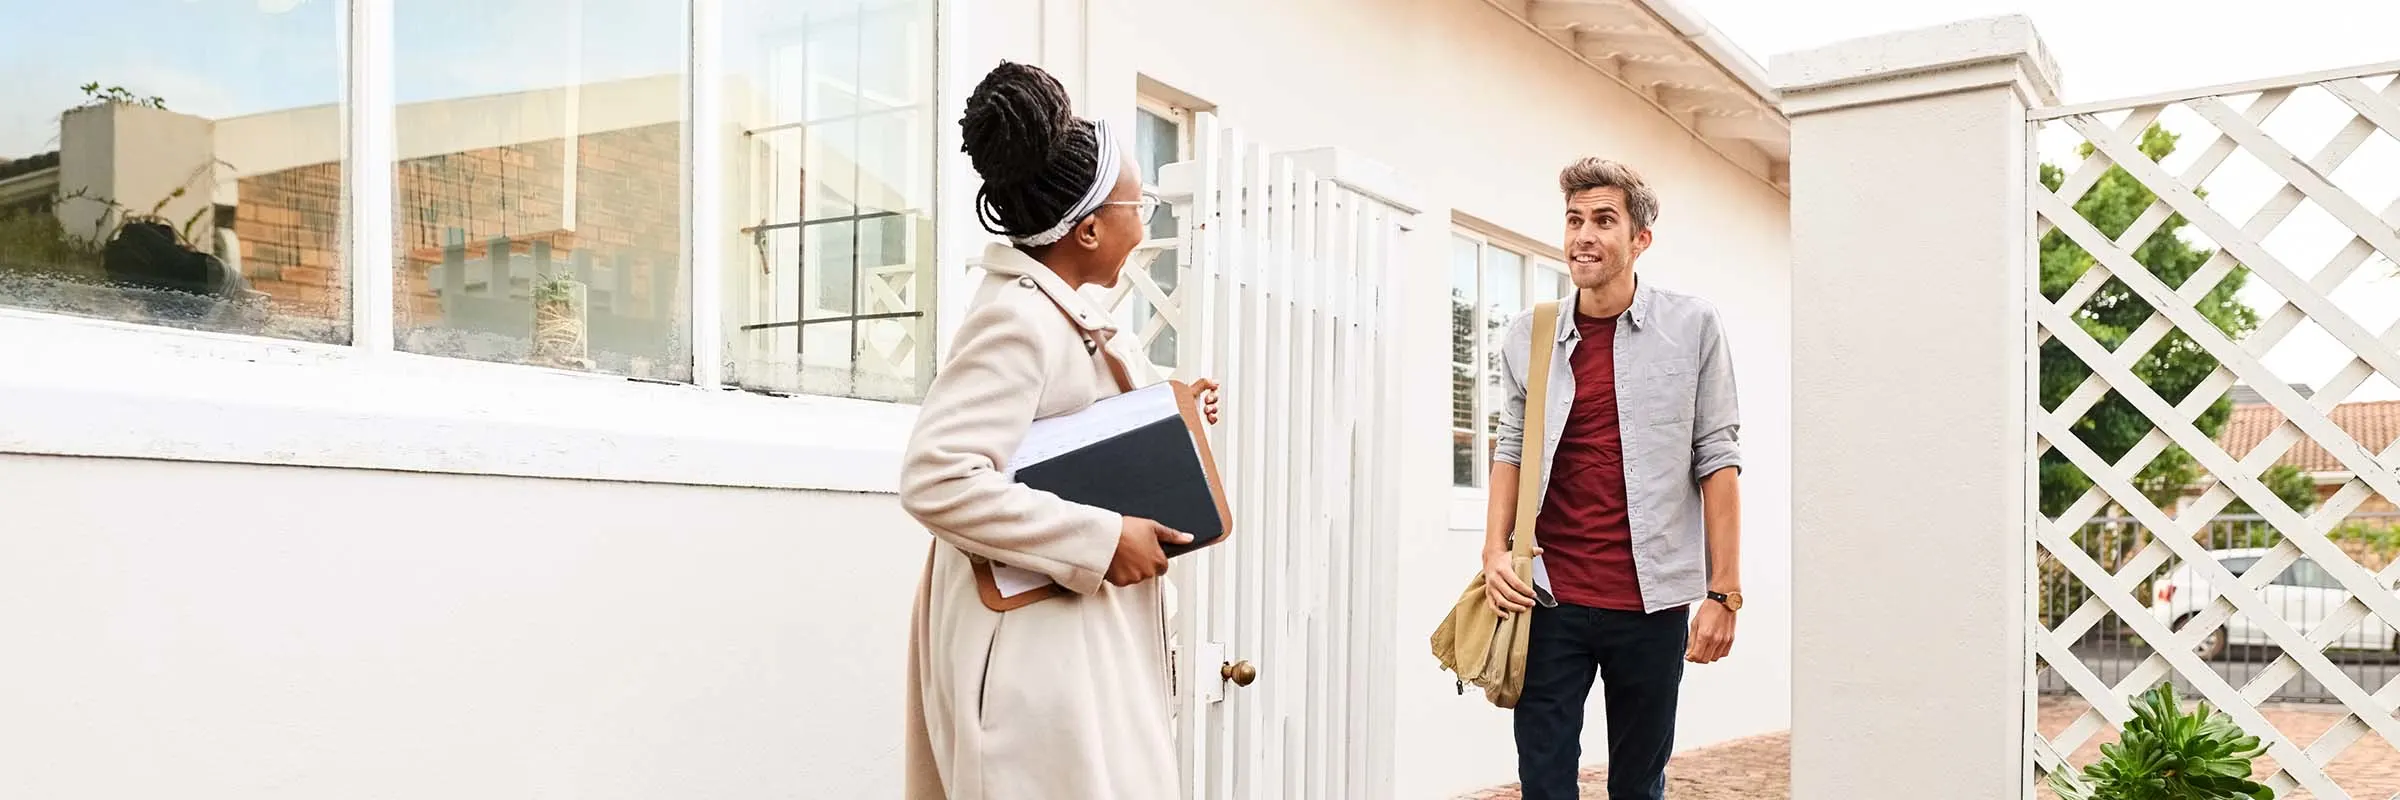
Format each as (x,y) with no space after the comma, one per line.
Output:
(1638,659)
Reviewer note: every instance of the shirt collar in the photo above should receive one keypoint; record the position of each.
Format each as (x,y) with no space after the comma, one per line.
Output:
(1638,316)
(1004,259)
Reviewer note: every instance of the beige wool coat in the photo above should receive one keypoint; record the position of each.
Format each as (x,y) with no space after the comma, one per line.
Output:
(1067,698)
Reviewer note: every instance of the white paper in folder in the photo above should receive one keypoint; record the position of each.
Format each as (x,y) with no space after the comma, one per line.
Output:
(1059,435)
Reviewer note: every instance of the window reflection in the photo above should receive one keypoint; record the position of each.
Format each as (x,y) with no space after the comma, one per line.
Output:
(147,179)
(1465,468)
(832,289)
(1504,282)
(539,184)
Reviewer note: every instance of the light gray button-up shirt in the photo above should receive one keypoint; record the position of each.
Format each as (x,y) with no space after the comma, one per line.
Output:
(1675,411)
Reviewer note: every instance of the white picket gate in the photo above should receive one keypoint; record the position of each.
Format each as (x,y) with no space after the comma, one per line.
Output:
(1281,294)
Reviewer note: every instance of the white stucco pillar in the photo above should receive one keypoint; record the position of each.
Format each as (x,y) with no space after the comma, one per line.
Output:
(1911,450)
(119,159)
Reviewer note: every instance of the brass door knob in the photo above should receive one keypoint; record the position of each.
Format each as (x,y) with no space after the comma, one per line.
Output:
(1240,672)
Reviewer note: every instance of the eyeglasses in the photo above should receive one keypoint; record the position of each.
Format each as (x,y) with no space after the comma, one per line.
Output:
(1147,207)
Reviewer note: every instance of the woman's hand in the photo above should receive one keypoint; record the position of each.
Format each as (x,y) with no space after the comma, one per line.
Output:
(1208,398)
(1139,557)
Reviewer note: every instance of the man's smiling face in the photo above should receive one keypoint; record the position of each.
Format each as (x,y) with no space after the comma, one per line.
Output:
(1602,242)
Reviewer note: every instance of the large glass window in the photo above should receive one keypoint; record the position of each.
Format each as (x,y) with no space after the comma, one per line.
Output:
(832,101)
(194,170)
(538,189)
(1490,284)
(177,163)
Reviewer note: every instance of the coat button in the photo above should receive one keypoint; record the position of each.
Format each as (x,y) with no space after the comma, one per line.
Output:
(1025,282)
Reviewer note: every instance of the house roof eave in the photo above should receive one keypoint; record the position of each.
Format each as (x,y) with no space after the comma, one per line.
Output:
(1674,60)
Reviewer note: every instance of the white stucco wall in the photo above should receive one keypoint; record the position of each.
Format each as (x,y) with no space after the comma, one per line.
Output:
(245,631)
(216,631)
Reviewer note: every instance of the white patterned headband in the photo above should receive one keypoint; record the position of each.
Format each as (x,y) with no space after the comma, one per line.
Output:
(1104,179)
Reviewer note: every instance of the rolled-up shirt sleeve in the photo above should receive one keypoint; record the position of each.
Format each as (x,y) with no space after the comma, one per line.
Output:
(1516,347)
(1716,412)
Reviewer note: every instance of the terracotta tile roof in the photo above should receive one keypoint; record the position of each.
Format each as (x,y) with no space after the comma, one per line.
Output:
(2374,425)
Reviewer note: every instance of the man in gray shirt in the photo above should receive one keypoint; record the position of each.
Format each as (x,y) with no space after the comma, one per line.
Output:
(1637,568)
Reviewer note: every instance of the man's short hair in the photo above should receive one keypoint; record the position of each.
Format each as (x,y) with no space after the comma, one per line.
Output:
(1601,173)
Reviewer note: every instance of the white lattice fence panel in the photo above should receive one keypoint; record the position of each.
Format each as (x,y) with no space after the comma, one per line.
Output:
(1142,326)
(2309,171)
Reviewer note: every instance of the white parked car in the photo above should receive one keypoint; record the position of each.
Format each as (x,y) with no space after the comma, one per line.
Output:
(2304,595)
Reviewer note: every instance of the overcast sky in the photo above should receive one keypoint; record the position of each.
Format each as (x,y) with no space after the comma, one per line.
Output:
(2109,49)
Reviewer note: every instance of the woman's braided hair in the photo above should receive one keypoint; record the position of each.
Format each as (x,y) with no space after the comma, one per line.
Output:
(1035,156)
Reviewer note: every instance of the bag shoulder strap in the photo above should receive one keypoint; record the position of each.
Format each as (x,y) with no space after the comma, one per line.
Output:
(1535,452)
(1097,340)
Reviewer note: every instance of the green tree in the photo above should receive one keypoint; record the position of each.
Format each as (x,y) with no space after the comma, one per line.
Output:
(2289,484)
(2172,368)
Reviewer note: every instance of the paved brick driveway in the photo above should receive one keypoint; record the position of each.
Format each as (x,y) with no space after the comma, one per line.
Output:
(1758,768)
(1761,768)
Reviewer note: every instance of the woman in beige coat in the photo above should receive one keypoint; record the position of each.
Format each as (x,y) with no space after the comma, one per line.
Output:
(1068,697)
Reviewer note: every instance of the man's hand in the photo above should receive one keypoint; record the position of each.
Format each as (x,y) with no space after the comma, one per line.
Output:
(1712,633)
(1507,593)
(1138,555)
(1208,398)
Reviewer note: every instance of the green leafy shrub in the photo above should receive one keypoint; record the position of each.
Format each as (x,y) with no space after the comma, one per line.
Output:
(2166,754)
(32,242)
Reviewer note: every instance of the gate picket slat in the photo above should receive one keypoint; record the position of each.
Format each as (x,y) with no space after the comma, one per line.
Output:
(1308,476)
(1368,414)
(1345,536)
(1194,358)
(1200,265)
(1230,340)
(1257,236)
(1313,558)
(1344,666)
(1290,476)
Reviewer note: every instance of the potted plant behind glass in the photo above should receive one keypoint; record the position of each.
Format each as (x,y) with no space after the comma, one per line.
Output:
(561,321)
(2166,754)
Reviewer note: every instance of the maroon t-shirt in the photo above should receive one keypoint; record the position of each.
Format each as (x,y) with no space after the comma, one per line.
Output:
(1586,539)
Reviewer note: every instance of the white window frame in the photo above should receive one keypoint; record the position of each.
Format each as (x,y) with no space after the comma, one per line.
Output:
(73,386)
(1469,504)
(1181,116)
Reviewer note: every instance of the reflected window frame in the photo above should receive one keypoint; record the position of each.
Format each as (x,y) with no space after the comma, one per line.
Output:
(784,306)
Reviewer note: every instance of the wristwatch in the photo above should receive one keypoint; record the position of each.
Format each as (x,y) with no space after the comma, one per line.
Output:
(1732,602)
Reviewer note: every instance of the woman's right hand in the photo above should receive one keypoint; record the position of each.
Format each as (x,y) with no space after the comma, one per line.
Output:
(1139,557)
(1507,593)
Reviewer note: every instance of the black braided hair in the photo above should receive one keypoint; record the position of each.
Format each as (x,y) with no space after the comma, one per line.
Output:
(1035,156)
